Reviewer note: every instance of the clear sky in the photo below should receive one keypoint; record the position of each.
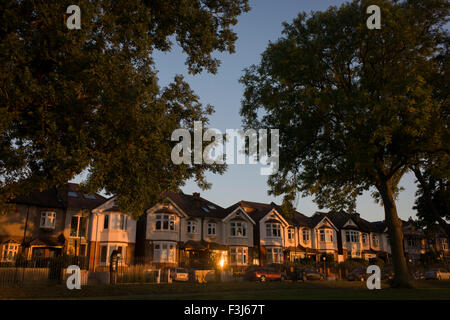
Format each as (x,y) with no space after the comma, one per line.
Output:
(255,29)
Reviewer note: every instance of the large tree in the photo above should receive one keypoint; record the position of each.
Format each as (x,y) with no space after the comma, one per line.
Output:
(72,100)
(354,106)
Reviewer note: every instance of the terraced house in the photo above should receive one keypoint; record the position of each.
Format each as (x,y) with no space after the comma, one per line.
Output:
(190,231)
(48,223)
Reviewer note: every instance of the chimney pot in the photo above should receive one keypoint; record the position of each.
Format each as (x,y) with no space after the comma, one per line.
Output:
(196,195)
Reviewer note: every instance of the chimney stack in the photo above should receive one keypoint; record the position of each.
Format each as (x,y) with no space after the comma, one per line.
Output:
(196,195)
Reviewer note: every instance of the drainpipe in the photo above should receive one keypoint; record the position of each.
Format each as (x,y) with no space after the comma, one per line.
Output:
(96,242)
(25,229)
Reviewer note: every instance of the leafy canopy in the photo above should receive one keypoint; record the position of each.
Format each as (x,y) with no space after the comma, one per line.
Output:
(355,107)
(72,100)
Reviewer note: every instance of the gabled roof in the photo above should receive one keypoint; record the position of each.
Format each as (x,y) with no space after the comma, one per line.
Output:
(339,219)
(258,210)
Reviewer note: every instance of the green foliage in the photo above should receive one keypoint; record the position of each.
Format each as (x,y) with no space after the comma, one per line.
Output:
(72,100)
(356,108)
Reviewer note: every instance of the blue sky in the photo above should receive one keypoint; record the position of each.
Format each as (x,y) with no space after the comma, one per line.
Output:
(255,29)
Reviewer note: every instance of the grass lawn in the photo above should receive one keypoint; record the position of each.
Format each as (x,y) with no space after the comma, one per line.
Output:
(320,290)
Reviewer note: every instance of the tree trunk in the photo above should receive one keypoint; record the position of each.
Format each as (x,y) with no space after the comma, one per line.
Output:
(394,224)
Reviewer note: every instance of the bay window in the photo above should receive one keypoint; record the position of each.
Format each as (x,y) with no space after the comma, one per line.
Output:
(274,255)
(164,252)
(238,255)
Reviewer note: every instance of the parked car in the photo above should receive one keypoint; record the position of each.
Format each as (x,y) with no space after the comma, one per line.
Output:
(437,274)
(179,274)
(310,274)
(357,274)
(264,274)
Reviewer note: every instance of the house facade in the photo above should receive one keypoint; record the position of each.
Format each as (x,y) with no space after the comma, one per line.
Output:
(188,230)
(110,229)
(48,223)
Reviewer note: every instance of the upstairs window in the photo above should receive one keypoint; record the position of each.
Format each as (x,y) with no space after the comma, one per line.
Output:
(305,234)
(48,219)
(290,234)
(238,229)
(78,227)
(364,238)
(326,235)
(123,222)
(165,222)
(273,230)
(351,236)
(191,227)
(211,229)
(106,221)
(375,240)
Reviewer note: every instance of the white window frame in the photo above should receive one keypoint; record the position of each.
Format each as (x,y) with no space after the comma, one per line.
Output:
(305,235)
(48,219)
(78,227)
(211,229)
(191,227)
(165,219)
(164,252)
(9,252)
(110,247)
(290,234)
(238,229)
(239,255)
(375,240)
(274,255)
(351,236)
(364,238)
(273,230)
(326,235)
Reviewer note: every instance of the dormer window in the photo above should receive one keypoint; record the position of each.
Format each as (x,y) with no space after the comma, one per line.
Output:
(191,226)
(48,219)
(273,230)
